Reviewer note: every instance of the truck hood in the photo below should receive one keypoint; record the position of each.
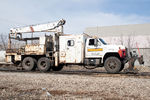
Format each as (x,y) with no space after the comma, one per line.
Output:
(114,47)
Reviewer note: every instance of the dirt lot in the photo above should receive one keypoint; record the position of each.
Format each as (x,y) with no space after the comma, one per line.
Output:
(70,85)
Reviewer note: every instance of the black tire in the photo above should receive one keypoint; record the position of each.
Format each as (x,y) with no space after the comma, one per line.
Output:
(58,68)
(44,64)
(112,65)
(28,63)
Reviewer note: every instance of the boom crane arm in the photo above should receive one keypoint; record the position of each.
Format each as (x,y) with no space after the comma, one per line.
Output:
(56,27)
(16,33)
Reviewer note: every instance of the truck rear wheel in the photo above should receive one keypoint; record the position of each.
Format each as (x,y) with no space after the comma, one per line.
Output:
(28,63)
(43,64)
(112,65)
(58,68)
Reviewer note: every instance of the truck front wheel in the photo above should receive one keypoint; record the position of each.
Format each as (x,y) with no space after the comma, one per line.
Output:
(43,64)
(112,65)
(28,63)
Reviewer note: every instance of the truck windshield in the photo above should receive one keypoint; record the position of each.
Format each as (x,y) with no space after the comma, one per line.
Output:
(103,41)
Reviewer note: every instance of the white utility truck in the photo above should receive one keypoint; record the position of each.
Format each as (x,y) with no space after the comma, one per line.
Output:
(59,49)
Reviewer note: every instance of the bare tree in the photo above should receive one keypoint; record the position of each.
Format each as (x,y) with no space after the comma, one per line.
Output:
(3,42)
(121,40)
(129,42)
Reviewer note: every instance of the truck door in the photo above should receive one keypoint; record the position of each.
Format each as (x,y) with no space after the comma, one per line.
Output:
(93,49)
(70,51)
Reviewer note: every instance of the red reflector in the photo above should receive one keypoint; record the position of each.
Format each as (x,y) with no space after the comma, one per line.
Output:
(122,53)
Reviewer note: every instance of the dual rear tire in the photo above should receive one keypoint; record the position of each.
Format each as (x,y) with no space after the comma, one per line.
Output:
(29,63)
(43,64)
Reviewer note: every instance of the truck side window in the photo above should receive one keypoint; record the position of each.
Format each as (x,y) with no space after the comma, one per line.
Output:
(70,42)
(91,42)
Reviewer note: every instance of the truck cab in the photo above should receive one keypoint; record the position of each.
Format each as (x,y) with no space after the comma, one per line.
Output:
(99,53)
(98,48)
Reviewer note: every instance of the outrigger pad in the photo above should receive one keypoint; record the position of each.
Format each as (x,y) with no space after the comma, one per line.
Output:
(131,71)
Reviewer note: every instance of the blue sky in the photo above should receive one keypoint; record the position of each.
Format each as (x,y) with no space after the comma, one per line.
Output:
(78,14)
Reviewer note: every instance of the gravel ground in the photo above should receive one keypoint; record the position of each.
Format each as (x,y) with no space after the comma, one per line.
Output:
(32,85)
